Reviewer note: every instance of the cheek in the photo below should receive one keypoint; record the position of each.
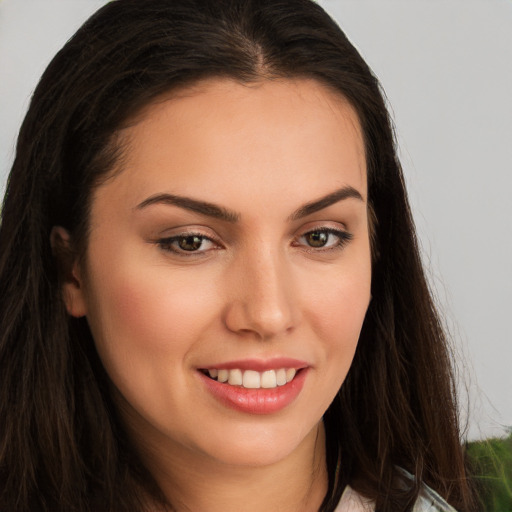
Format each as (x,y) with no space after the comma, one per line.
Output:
(145,312)
(337,312)
(146,323)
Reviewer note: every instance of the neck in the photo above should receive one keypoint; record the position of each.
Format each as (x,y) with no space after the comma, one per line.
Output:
(194,482)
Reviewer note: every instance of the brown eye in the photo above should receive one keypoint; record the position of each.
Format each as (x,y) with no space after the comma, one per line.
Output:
(190,243)
(324,239)
(317,238)
(187,244)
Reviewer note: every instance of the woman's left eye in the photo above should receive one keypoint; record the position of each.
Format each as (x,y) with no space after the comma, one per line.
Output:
(325,238)
(187,243)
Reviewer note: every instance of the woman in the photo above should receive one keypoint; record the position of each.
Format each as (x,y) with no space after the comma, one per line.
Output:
(212,293)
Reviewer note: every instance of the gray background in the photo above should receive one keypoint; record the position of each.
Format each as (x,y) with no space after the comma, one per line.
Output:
(446,67)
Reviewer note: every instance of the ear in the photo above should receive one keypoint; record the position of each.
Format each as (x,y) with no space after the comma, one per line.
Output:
(71,281)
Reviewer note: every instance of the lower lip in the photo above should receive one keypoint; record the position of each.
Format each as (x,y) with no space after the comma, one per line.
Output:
(256,401)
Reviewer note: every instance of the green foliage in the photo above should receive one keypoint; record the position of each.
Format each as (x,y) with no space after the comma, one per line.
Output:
(492,469)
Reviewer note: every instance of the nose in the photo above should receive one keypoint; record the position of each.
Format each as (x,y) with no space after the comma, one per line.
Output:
(263,300)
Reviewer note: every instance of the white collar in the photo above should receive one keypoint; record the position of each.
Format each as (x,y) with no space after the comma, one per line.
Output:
(352,501)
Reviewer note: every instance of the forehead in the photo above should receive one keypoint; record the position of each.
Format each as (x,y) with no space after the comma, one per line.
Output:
(228,139)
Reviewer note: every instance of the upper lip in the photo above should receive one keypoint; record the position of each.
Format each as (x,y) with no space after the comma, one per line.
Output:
(259,365)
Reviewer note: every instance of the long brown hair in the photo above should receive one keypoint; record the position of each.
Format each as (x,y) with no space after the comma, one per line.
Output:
(62,445)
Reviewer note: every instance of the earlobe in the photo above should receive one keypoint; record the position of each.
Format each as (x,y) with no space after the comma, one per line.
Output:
(70,278)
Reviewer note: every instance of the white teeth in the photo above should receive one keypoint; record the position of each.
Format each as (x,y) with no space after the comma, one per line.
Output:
(281,377)
(268,379)
(252,379)
(235,377)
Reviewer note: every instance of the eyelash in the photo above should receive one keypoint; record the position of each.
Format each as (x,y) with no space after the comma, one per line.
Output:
(167,244)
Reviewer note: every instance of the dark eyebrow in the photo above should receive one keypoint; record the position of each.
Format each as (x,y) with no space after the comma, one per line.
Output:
(324,202)
(219,212)
(202,207)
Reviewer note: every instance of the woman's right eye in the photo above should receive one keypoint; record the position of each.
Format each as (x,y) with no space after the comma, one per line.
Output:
(187,244)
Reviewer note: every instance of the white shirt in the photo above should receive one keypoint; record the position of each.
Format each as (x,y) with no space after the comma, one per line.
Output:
(428,501)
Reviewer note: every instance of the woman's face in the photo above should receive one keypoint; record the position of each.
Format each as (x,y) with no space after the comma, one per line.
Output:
(232,242)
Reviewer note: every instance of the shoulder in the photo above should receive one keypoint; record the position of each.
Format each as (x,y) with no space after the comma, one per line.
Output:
(428,501)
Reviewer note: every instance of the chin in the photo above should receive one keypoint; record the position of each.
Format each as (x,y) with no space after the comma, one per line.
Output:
(260,446)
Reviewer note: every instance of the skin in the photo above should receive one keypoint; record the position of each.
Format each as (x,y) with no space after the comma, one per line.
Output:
(256,288)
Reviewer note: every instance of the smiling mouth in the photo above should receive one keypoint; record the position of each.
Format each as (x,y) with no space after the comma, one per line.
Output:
(251,379)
